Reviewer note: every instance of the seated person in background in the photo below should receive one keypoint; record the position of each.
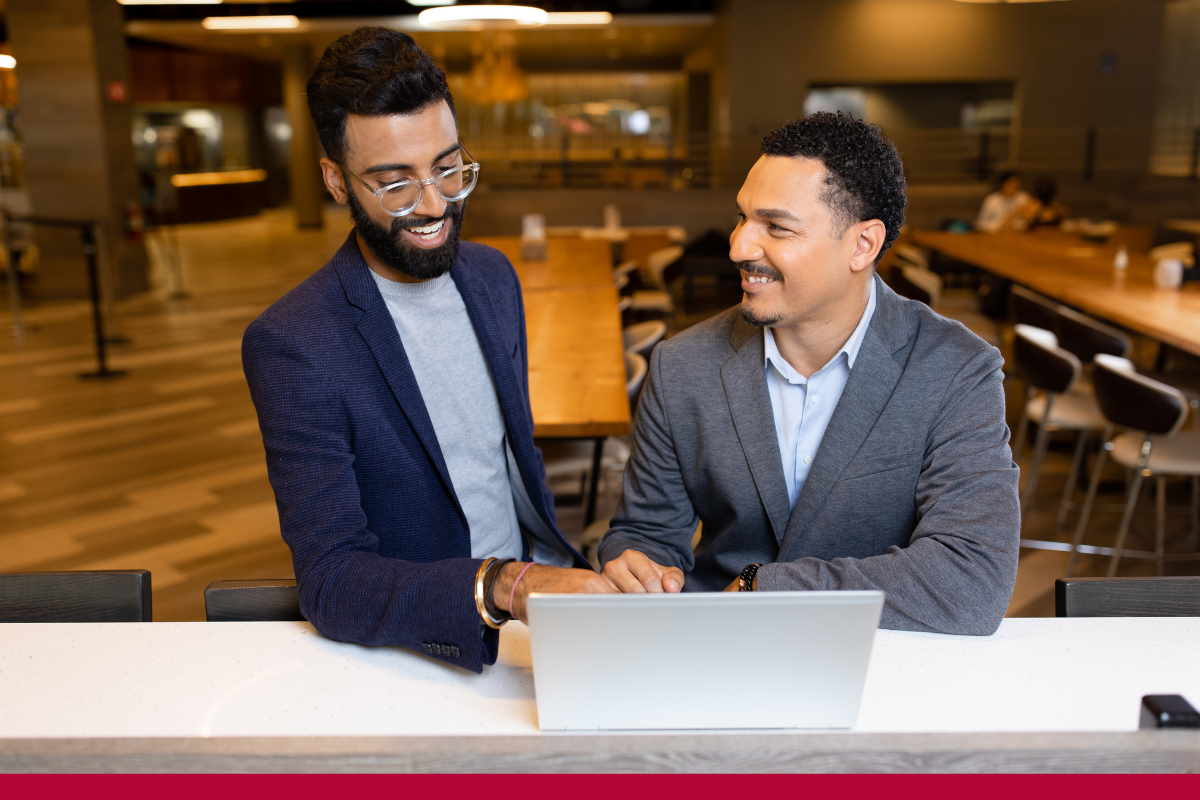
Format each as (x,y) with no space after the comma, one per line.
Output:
(392,385)
(827,433)
(1007,208)
(1049,212)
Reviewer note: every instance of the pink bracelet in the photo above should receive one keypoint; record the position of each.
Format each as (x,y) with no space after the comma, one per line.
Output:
(513,594)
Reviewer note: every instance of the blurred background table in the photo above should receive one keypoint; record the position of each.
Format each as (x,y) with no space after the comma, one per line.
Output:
(1080,273)
(569,262)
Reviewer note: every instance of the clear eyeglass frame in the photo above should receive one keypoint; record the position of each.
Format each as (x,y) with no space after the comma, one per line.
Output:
(469,171)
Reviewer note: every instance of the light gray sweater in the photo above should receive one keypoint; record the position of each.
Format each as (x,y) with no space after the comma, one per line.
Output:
(460,397)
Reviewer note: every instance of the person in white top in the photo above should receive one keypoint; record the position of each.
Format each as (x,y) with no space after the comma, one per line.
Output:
(1007,208)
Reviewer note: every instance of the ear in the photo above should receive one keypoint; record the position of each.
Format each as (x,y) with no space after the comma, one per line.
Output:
(869,241)
(332,174)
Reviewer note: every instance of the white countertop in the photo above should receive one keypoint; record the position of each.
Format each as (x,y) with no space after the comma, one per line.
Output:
(284,679)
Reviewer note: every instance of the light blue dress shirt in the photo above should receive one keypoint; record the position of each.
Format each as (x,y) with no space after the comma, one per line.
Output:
(803,408)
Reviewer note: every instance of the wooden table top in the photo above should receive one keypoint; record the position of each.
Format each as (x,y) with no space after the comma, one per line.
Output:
(1080,274)
(569,262)
(576,362)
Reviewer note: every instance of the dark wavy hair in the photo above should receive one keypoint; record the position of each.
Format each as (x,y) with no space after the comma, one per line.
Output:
(372,72)
(865,177)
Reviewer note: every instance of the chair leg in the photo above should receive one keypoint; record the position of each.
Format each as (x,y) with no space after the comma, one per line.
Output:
(1160,532)
(1195,512)
(1065,507)
(1022,427)
(1134,488)
(1035,463)
(1086,513)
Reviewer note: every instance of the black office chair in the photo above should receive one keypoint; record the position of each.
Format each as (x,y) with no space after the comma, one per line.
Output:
(1031,308)
(1127,597)
(272,600)
(1051,373)
(98,596)
(1134,402)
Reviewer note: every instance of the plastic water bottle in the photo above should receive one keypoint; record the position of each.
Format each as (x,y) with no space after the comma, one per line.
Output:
(1121,260)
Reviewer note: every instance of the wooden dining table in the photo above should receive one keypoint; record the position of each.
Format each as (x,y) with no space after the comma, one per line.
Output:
(576,351)
(1079,273)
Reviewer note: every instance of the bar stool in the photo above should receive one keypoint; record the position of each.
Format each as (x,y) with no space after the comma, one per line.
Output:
(1052,372)
(1156,448)
(642,337)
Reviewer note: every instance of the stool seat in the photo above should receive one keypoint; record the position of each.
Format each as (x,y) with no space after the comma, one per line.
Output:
(1178,455)
(1071,412)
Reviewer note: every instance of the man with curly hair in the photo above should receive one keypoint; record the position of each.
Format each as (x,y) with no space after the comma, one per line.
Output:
(826,433)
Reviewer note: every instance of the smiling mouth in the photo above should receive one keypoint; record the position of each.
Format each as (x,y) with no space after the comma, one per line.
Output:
(428,232)
(753,278)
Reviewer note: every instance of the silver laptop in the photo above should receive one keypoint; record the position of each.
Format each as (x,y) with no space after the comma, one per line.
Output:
(702,660)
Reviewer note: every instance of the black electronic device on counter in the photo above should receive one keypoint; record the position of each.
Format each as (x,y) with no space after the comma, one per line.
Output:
(1168,711)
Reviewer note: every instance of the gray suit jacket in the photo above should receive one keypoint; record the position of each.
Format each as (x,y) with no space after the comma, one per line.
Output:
(912,491)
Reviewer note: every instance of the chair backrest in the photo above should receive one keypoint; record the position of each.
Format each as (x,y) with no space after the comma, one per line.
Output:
(1042,363)
(1184,251)
(926,281)
(1031,308)
(1130,400)
(272,600)
(642,337)
(639,246)
(1085,337)
(912,254)
(100,596)
(657,263)
(635,377)
(626,278)
(902,285)
(1127,597)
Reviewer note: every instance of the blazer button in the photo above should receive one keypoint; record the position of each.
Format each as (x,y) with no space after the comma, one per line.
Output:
(437,649)
(428,647)
(454,650)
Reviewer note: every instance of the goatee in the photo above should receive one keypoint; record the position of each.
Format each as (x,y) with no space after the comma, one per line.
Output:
(389,246)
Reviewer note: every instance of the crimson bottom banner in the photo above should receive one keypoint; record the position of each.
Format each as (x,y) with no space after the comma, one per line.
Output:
(584,787)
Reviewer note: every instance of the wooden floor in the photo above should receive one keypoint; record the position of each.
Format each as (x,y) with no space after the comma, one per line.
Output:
(163,469)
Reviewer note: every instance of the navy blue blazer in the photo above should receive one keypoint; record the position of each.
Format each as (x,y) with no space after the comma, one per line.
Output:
(380,544)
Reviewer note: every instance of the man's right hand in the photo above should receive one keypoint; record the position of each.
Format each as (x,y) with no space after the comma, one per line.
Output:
(632,572)
(548,580)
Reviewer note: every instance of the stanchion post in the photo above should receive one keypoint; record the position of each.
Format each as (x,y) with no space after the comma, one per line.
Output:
(14,284)
(87,233)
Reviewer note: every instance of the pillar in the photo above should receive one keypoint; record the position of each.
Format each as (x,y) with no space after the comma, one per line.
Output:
(73,74)
(304,153)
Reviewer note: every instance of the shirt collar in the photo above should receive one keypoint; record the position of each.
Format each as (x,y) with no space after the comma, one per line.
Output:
(850,348)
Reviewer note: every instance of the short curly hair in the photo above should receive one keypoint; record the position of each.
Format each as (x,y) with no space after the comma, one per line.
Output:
(865,174)
(372,72)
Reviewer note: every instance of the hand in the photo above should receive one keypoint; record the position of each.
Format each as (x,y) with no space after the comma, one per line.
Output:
(633,573)
(549,580)
(736,586)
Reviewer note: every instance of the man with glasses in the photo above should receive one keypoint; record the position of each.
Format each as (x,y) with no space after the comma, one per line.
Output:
(392,385)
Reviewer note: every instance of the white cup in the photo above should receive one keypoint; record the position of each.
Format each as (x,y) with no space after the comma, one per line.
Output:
(1168,273)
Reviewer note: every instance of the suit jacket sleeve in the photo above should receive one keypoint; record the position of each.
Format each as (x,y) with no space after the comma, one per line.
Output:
(957,573)
(655,515)
(348,591)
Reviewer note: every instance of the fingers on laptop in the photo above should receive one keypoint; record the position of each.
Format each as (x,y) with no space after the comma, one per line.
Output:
(634,573)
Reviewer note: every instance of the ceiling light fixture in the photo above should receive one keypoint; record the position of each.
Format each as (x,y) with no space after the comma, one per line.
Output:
(424,3)
(169,2)
(579,18)
(478,18)
(7,62)
(250,23)
(1009,1)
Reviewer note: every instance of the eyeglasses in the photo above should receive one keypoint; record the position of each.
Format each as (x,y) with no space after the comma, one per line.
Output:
(453,184)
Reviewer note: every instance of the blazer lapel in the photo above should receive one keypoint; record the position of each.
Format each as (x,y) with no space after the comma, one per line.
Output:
(868,389)
(745,383)
(378,330)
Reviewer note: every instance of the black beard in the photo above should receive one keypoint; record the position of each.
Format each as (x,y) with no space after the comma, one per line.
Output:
(754,268)
(413,261)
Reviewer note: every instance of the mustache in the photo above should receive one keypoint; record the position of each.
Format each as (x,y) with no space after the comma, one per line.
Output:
(758,268)
(453,214)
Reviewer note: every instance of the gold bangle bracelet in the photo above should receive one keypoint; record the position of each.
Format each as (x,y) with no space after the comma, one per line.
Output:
(479,605)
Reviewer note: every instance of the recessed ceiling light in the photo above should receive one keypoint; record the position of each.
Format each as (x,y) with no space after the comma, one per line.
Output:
(579,18)
(251,23)
(477,18)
